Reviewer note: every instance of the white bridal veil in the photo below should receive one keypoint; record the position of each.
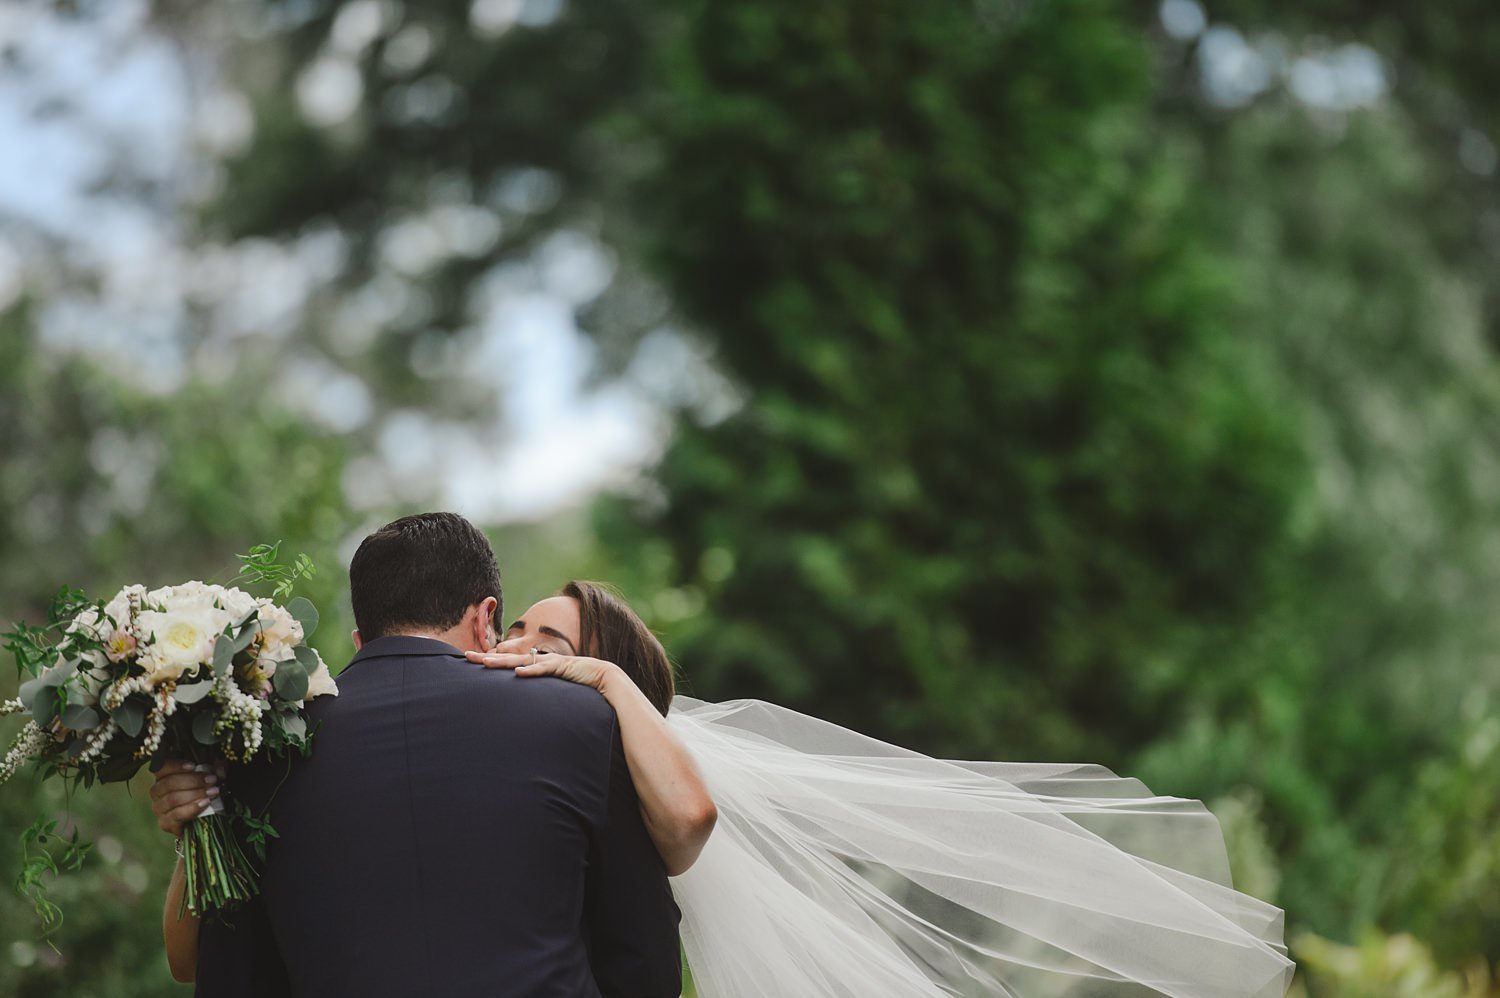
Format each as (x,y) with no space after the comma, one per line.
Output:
(844,866)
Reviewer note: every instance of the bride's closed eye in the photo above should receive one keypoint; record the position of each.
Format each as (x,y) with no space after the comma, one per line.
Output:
(518,641)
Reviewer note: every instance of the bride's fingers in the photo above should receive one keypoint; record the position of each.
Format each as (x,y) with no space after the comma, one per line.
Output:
(564,666)
(192,781)
(498,660)
(172,813)
(569,667)
(176,799)
(173,766)
(173,820)
(547,665)
(583,671)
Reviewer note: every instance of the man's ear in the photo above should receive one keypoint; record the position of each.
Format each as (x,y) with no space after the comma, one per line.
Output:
(486,628)
(359,642)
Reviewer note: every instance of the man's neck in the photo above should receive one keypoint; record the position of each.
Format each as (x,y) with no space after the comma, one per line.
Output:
(459,637)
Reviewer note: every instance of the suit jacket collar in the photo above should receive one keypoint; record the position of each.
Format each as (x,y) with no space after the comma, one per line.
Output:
(403,646)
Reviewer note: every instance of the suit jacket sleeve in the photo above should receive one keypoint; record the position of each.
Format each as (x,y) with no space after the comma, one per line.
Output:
(631,917)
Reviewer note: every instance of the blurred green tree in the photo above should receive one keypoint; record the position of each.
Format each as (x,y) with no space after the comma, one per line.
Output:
(1360,253)
(1084,427)
(1004,483)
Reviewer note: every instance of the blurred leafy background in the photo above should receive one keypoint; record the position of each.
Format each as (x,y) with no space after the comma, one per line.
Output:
(1026,379)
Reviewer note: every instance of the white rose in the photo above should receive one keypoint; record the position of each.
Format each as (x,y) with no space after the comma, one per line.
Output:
(278,627)
(320,682)
(188,593)
(180,639)
(91,623)
(118,608)
(194,594)
(279,634)
(239,603)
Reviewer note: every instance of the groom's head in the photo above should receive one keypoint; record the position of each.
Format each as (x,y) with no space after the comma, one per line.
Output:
(432,574)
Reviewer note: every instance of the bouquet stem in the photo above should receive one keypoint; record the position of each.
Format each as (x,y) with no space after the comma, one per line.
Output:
(218,874)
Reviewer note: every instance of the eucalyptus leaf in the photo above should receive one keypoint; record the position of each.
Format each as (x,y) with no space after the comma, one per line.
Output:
(192,692)
(290,680)
(307,657)
(63,671)
(77,717)
(307,615)
(203,729)
(294,726)
(40,696)
(223,655)
(246,636)
(130,716)
(30,692)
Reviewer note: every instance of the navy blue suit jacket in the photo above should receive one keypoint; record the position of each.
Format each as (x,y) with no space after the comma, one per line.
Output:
(457,831)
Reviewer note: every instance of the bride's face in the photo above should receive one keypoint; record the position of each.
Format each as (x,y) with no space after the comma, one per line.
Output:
(553,625)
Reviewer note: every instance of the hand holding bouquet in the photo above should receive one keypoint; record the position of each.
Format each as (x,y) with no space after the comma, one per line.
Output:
(201,672)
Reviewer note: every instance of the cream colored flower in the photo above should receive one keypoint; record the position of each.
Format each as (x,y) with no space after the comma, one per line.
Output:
(91,623)
(239,603)
(180,638)
(279,634)
(180,596)
(320,682)
(120,609)
(279,628)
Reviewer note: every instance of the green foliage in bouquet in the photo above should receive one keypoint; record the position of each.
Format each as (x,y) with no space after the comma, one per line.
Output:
(200,672)
(261,566)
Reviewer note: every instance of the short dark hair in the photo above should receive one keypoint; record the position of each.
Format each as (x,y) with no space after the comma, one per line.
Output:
(421,572)
(611,630)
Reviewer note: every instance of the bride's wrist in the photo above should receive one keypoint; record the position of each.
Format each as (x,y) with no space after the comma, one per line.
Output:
(610,677)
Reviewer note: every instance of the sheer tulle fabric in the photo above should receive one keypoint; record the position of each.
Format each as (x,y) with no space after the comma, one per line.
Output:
(844,866)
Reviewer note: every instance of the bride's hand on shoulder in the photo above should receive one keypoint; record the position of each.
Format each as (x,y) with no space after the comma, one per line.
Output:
(579,669)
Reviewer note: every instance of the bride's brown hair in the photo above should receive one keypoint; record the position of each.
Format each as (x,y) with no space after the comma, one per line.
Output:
(611,630)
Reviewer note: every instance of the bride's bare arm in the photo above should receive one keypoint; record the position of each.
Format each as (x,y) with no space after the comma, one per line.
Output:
(179,934)
(179,794)
(676,805)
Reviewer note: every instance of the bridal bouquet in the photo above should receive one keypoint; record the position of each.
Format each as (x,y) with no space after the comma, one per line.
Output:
(194,671)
